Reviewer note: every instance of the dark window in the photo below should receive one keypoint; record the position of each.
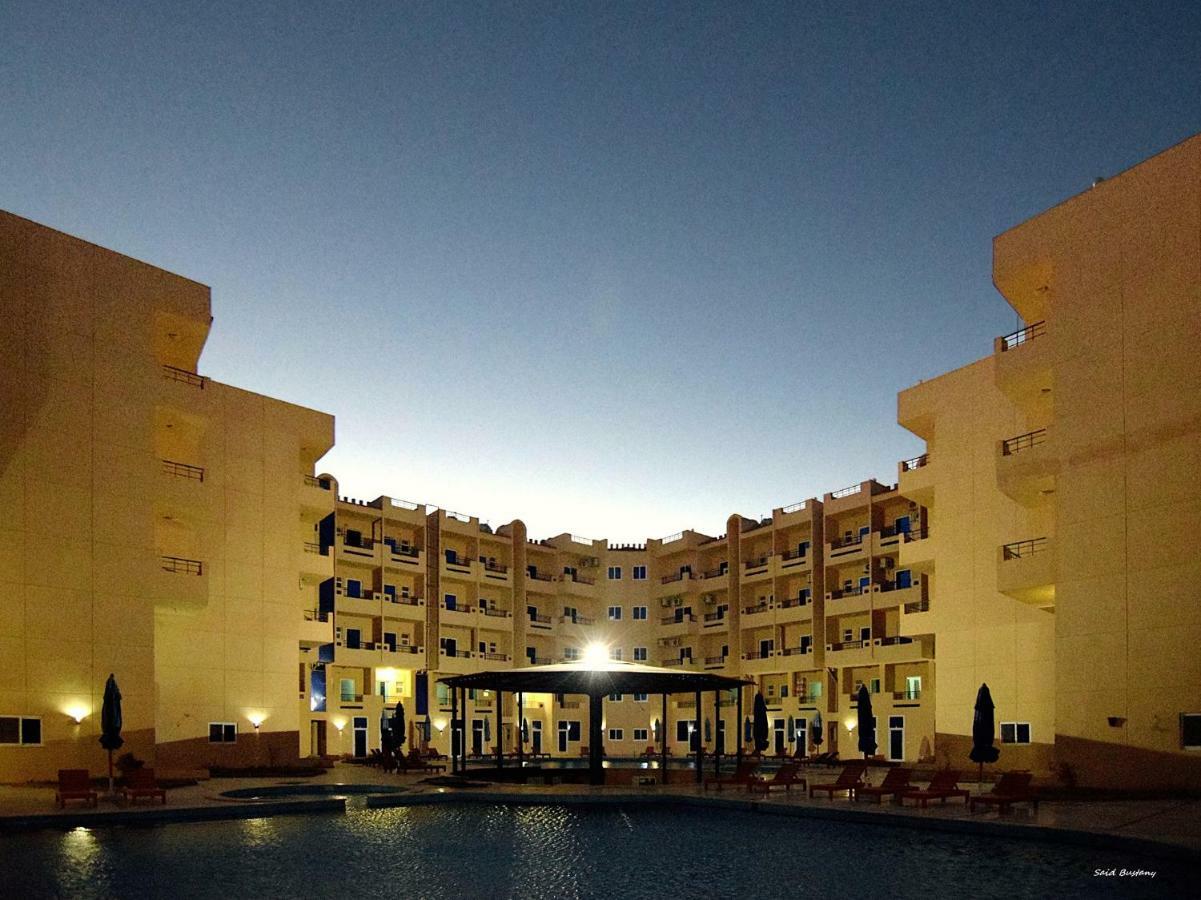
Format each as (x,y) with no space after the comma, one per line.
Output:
(10,730)
(222,732)
(31,731)
(573,731)
(1190,730)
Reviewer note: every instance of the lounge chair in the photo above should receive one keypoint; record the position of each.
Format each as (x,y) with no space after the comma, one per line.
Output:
(74,784)
(786,776)
(1013,787)
(742,775)
(848,780)
(944,784)
(895,781)
(141,783)
(414,763)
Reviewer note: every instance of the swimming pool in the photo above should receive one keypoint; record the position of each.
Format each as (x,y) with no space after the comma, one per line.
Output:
(466,851)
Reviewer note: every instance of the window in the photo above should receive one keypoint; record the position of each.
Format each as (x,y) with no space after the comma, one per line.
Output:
(615,653)
(571,652)
(616,734)
(639,654)
(615,573)
(806,643)
(346,689)
(640,698)
(641,734)
(354,587)
(684,728)
(865,633)
(640,573)
(223,732)
(614,613)
(24,731)
(874,686)
(1015,732)
(442,692)
(639,613)
(1190,731)
(616,698)
(451,601)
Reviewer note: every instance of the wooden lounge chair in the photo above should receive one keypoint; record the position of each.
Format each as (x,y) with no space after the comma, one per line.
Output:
(141,783)
(786,776)
(650,752)
(414,763)
(944,784)
(895,781)
(742,775)
(1013,787)
(74,784)
(848,780)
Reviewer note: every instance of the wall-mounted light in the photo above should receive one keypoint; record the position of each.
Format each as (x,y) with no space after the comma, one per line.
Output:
(850,724)
(256,719)
(78,712)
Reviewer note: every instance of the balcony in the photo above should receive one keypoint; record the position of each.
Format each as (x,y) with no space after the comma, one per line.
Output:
(1026,466)
(902,648)
(313,563)
(491,656)
(756,568)
(402,557)
(316,628)
(795,560)
(677,625)
(457,661)
(316,493)
(411,609)
(495,618)
(756,662)
(542,623)
(721,571)
(715,621)
(849,653)
(577,620)
(578,584)
(907,697)
(845,549)
(406,656)
(715,662)
(915,547)
(1026,571)
(1023,364)
(184,377)
(364,553)
(539,582)
(458,567)
(842,601)
(181,583)
(459,615)
(793,609)
(915,478)
(495,572)
(366,653)
(756,614)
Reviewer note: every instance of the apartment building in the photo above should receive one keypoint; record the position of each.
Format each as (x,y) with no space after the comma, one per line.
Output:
(179,533)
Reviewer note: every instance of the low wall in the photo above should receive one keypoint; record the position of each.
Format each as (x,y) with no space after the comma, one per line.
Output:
(262,749)
(19,765)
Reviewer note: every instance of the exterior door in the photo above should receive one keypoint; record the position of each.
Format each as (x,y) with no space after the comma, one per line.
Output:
(360,736)
(778,730)
(477,737)
(564,731)
(536,736)
(896,737)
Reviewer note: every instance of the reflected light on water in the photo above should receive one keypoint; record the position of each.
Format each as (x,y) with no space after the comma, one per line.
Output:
(80,849)
(260,832)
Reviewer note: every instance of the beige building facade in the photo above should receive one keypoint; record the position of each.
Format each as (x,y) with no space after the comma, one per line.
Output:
(179,533)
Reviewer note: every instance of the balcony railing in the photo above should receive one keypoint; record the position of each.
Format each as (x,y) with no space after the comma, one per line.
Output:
(794,651)
(315,615)
(853,541)
(1024,442)
(1024,549)
(404,601)
(847,645)
(460,654)
(758,654)
(540,576)
(580,579)
(794,554)
(180,566)
(790,602)
(540,619)
(846,491)
(496,657)
(310,547)
(1023,336)
(351,698)
(893,640)
(715,660)
(715,616)
(404,550)
(539,660)
(577,620)
(497,613)
(323,484)
(491,566)
(405,648)
(794,507)
(677,620)
(755,608)
(668,579)
(714,573)
(908,465)
(173,373)
(914,694)
(183,470)
(917,607)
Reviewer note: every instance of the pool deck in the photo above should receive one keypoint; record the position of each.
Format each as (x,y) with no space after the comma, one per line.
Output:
(1169,826)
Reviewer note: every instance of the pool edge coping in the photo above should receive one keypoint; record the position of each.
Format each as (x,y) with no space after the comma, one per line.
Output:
(167,815)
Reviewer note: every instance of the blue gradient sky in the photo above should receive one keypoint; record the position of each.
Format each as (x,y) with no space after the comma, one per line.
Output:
(612,270)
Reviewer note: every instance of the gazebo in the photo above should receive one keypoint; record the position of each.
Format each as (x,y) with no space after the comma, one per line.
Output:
(597,678)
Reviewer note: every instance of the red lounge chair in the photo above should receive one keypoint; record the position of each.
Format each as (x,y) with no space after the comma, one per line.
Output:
(1013,787)
(742,775)
(141,783)
(895,781)
(786,776)
(74,784)
(848,780)
(944,784)
(414,763)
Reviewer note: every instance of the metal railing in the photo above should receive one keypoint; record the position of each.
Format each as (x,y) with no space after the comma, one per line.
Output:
(756,563)
(790,602)
(794,507)
(498,613)
(668,579)
(917,607)
(893,641)
(180,566)
(755,608)
(794,651)
(577,620)
(490,566)
(907,695)
(1023,442)
(496,657)
(174,373)
(847,645)
(1024,549)
(715,616)
(715,660)
(310,547)
(580,579)
(538,617)
(846,491)
(183,470)
(674,620)
(794,554)
(715,573)
(407,648)
(315,615)
(917,462)
(1023,336)
(405,601)
(538,576)
(460,654)
(403,550)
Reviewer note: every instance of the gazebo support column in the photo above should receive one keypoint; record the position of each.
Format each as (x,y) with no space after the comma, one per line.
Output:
(718,742)
(700,739)
(663,741)
(454,723)
(738,727)
(500,734)
(520,733)
(463,734)
(596,748)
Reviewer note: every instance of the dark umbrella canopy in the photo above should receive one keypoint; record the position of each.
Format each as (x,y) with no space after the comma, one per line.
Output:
(747,730)
(525,730)
(983,729)
(656,728)
(708,731)
(760,732)
(867,722)
(110,717)
(398,725)
(791,730)
(427,727)
(816,731)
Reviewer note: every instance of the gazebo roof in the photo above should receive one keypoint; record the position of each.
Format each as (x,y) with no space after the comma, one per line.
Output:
(595,678)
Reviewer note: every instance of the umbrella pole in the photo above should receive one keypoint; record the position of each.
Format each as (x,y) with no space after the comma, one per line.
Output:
(110,773)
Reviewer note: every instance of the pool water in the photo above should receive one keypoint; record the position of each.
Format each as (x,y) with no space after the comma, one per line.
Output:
(283,791)
(466,851)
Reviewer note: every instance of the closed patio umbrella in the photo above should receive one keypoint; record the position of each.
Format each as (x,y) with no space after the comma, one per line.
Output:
(747,730)
(487,733)
(110,724)
(816,731)
(761,730)
(791,730)
(655,728)
(398,726)
(525,730)
(983,732)
(867,723)
(427,728)
(708,732)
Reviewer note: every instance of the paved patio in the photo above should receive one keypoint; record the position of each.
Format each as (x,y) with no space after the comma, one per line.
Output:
(1174,825)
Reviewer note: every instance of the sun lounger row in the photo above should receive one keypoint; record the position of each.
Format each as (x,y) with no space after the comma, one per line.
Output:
(76,784)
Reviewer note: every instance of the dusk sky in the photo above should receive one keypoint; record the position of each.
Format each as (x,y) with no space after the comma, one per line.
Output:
(612,269)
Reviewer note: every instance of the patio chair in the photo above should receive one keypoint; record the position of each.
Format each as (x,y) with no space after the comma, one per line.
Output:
(944,784)
(742,775)
(414,763)
(786,776)
(74,784)
(848,780)
(895,781)
(141,783)
(1011,788)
